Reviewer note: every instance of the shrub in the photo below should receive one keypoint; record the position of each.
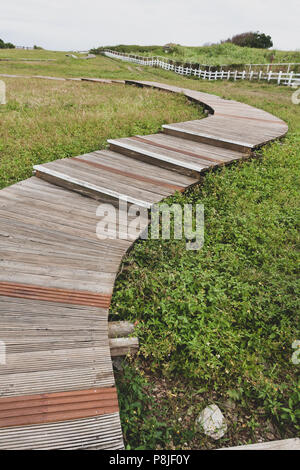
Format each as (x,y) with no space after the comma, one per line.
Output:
(251,39)
(6,45)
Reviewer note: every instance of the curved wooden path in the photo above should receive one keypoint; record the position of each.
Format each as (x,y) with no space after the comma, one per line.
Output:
(57,387)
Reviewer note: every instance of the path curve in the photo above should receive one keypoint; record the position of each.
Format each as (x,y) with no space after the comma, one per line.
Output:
(57,386)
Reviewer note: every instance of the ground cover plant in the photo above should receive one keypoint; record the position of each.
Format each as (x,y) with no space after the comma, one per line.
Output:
(217,325)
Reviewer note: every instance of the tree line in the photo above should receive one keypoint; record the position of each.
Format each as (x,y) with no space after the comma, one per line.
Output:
(6,45)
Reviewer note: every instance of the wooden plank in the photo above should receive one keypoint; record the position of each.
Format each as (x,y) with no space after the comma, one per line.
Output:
(154,156)
(123,346)
(124,162)
(199,149)
(118,329)
(198,135)
(145,179)
(79,185)
(284,444)
(67,296)
(48,408)
(207,158)
(129,184)
(100,432)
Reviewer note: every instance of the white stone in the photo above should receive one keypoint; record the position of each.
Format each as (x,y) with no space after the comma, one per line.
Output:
(212,422)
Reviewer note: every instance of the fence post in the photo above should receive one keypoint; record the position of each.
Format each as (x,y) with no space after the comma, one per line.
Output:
(290,78)
(269,75)
(2,100)
(235,75)
(259,75)
(279,77)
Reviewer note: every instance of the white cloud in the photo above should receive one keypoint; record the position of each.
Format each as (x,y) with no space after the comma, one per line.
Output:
(82,24)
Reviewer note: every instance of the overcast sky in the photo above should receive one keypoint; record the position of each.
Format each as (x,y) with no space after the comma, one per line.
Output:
(82,24)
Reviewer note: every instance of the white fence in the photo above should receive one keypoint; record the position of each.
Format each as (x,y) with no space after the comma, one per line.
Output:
(28,48)
(281,78)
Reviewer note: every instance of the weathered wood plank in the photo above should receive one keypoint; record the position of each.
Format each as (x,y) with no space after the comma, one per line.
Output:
(123,346)
(284,444)
(117,329)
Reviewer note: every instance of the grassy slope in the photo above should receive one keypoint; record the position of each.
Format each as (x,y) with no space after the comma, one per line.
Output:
(218,54)
(215,325)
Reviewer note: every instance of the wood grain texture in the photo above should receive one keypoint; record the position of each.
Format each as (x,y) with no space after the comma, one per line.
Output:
(66,296)
(283,444)
(45,408)
(98,432)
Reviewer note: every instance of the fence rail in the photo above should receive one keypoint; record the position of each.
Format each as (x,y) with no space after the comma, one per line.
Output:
(28,48)
(281,78)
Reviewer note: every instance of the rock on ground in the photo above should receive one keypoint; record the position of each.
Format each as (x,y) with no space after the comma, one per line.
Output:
(212,422)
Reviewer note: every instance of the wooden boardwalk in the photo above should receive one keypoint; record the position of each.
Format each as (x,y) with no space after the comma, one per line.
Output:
(57,387)
(284,444)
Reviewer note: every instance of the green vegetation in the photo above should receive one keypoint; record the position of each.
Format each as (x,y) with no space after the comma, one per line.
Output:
(216,325)
(251,39)
(222,320)
(63,66)
(6,45)
(216,54)
(131,49)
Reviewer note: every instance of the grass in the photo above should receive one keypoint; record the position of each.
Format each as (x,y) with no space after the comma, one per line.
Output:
(100,67)
(44,120)
(217,325)
(217,54)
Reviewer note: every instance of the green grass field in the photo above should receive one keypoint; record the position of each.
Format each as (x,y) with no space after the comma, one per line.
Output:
(217,325)
(100,67)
